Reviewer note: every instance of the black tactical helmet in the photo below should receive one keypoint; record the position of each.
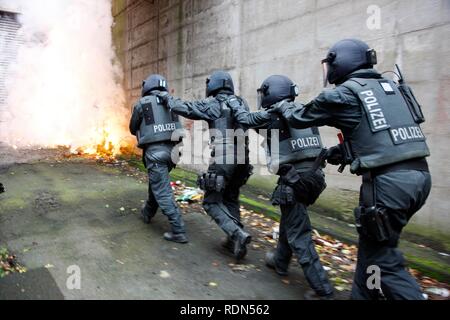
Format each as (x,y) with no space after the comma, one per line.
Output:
(154,82)
(345,57)
(219,80)
(276,88)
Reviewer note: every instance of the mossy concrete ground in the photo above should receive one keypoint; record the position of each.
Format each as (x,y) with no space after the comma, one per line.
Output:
(333,214)
(57,215)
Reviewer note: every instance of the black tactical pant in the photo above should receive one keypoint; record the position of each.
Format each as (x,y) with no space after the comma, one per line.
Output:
(223,206)
(295,237)
(160,195)
(401,193)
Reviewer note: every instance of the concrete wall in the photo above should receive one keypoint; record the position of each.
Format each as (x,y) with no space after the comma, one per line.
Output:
(252,39)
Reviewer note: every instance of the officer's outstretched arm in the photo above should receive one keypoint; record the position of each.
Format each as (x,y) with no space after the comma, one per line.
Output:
(302,117)
(135,120)
(242,114)
(337,108)
(207,109)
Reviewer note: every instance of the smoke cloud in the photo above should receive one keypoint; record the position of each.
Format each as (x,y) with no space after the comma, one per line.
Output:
(65,86)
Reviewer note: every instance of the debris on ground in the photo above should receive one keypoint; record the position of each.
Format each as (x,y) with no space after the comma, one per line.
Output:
(9,263)
(189,195)
(338,258)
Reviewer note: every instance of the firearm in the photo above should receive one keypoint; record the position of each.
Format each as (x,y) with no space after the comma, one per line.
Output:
(410,99)
(346,152)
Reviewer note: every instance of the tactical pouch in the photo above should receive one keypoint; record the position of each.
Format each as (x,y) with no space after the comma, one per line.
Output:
(283,195)
(411,101)
(373,223)
(201,182)
(309,187)
(211,182)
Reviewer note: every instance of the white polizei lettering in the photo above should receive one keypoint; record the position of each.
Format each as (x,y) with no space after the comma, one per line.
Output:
(369,106)
(302,143)
(316,141)
(402,133)
(395,134)
(371,100)
(164,127)
(380,123)
(367,93)
(419,132)
(408,133)
(416,133)
(293,143)
(376,114)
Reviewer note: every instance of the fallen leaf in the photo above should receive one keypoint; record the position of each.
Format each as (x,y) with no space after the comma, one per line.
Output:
(164,274)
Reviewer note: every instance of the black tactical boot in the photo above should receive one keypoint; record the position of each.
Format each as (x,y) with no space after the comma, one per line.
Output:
(241,239)
(228,244)
(176,237)
(271,263)
(147,216)
(312,295)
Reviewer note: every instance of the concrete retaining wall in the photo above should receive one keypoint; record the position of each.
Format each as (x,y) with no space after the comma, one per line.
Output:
(252,39)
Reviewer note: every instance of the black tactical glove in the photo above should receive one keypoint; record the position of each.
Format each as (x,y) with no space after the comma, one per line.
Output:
(2,188)
(280,107)
(164,96)
(335,156)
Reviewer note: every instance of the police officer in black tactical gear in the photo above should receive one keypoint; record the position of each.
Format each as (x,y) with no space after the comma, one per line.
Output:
(294,157)
(229,169)
(383,142)
(158,131)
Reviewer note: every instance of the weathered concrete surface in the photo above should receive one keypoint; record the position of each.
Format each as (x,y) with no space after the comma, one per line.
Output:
(64,214)
(186,40)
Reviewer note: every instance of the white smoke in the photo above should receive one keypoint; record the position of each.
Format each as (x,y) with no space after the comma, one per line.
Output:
(65,87)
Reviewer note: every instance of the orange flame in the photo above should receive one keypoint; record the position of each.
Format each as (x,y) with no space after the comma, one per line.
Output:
(108,143)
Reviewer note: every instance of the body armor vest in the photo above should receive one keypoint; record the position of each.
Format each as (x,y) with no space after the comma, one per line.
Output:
(158,123)
(387,133)
(228,138)
(294,145)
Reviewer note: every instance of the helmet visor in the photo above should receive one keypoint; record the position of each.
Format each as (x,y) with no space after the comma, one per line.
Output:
(207,93)
(325,68)
(260,97)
